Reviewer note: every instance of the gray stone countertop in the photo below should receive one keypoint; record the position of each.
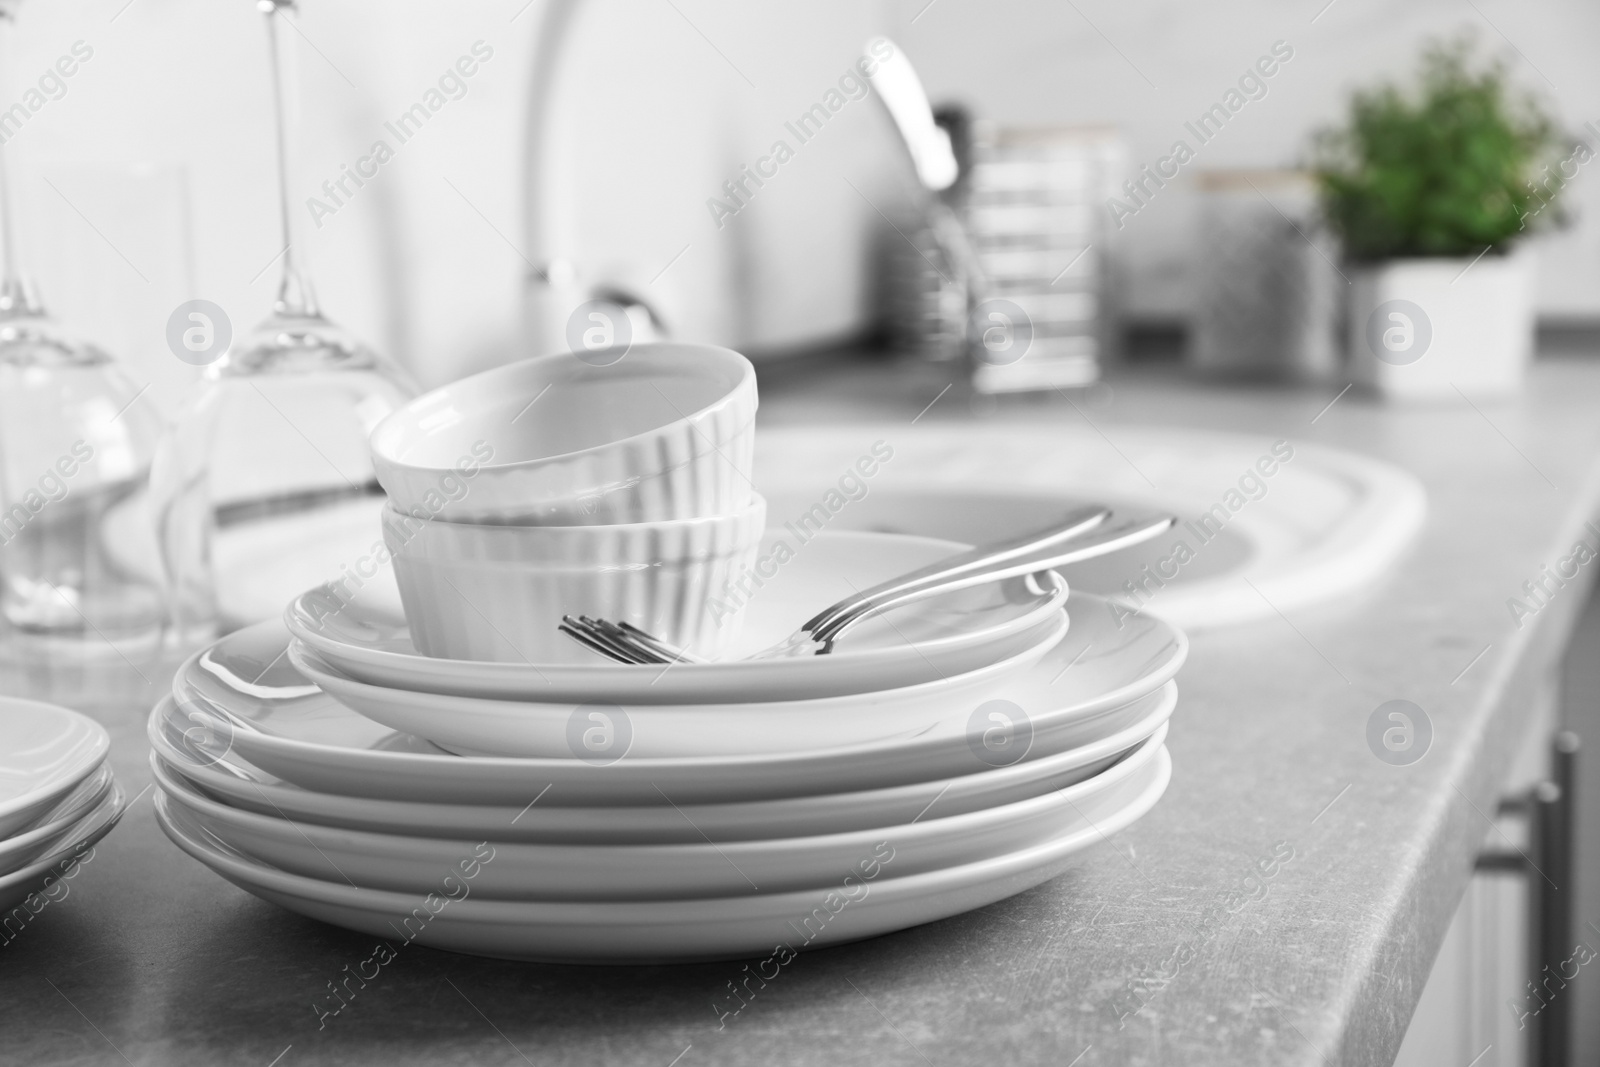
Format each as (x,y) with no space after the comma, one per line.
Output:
(1281,905)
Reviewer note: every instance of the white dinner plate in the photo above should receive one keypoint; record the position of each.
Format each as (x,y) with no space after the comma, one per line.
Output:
(291,729)
(45,751)
(482,727)
(240,673)
(667,931)
(364,634)
(94,825)
(605,871)
(21,850)
(1099,741)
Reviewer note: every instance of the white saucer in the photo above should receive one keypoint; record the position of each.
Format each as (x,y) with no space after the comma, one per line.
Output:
(45,751)
(21,850)
(16,886)
(291,729)
(365,636)
(594,871)
(667,930)
(1089,744)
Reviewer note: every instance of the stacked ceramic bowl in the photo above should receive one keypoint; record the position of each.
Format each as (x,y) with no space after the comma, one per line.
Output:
(419,754)
(57,798)
(606,483)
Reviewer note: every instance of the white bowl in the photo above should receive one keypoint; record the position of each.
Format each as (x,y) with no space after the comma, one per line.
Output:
(665,432)
(497,593)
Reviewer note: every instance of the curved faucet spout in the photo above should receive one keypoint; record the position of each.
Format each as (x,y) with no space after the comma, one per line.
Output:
(556,282)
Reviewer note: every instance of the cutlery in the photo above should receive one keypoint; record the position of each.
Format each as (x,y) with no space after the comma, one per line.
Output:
(1082,535)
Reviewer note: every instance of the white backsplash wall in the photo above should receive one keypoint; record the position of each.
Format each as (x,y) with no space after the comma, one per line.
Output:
(427,260)
(662,104)
(425,272)
(149,181)
(1149,67)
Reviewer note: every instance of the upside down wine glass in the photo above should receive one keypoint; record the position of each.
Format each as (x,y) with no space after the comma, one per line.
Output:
(81,609)
(265,484)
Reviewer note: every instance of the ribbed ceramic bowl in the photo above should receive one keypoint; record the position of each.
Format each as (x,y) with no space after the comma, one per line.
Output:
(666,431)
(498,592)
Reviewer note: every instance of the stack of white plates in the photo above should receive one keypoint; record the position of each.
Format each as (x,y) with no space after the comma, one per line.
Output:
(945,756)
(57,793)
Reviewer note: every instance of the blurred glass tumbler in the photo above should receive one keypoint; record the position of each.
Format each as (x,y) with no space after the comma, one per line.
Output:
(264,486)
(1267,298)
(79,578)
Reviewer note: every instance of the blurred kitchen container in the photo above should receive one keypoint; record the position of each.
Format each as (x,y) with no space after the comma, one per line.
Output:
(1268,289)
(1034,207)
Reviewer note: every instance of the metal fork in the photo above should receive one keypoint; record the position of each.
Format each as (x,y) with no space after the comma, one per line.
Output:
(1081,535)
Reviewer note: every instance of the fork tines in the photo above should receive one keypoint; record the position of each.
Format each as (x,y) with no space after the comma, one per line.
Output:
(609,640)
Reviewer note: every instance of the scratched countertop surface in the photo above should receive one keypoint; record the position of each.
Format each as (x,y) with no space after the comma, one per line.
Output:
(1314,958)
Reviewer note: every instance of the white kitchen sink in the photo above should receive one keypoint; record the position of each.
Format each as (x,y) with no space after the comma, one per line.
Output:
(1322,524)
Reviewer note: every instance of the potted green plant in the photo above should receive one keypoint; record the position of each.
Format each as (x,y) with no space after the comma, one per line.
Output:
(1431,193)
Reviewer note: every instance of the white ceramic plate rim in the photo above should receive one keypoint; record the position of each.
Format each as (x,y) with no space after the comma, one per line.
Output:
(566,678)
(638,689)
(663,912)
(281,792)
(922,832)
(90,829)
(70,810)
(525,767)
(311,664)
(187,694)
(85,758)
(512,784)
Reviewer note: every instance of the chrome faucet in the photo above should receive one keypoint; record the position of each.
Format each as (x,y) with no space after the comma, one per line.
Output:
(556,285)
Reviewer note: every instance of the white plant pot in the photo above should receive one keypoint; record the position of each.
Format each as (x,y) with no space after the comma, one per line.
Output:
(1422,329)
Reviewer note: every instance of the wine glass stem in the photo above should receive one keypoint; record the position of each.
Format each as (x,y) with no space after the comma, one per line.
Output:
(8,251)
(11,285)
(295,294)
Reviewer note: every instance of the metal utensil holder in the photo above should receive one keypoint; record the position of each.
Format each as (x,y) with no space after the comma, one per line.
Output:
(1034,207)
